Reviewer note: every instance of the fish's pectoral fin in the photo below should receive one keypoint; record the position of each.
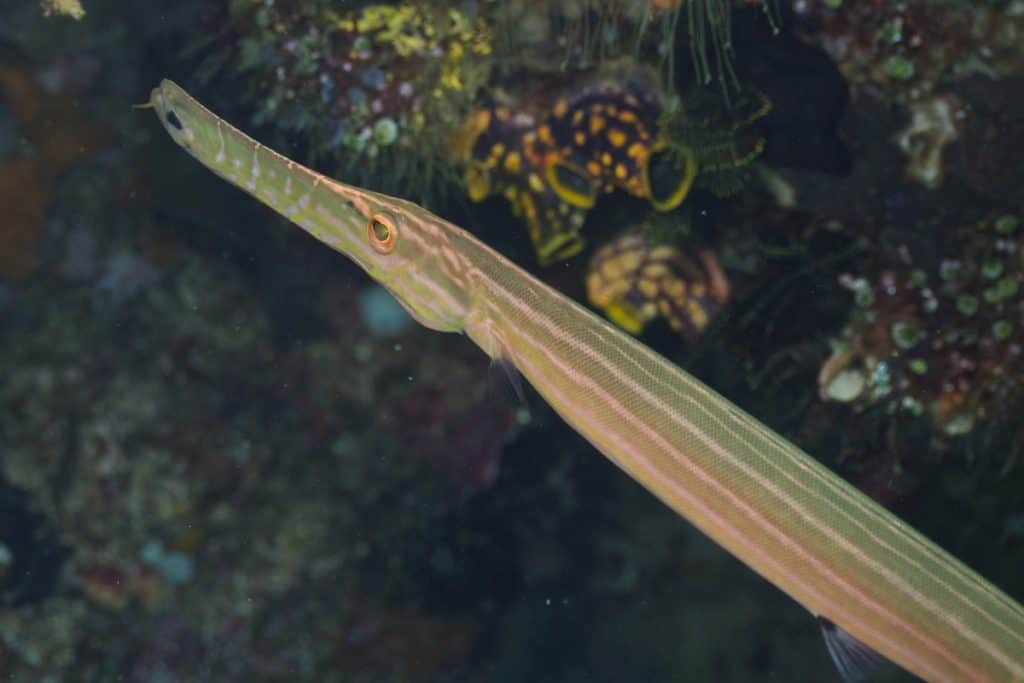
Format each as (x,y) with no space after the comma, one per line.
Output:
(490,339)
(855,660)
(512,373)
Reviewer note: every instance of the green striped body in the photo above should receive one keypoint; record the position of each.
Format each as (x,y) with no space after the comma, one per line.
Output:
(806,530)
(789,518)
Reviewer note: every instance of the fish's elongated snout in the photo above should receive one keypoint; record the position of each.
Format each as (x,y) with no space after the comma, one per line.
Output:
(332,212)
(156,101)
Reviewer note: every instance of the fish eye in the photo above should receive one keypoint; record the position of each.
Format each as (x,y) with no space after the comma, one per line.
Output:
(382,233)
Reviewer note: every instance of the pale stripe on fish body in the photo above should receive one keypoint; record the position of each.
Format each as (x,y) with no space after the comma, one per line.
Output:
(870,578)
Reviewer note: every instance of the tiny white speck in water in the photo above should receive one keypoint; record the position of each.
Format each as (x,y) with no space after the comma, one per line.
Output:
(398,347)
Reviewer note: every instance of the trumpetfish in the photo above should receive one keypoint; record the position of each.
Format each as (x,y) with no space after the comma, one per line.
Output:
(879,588)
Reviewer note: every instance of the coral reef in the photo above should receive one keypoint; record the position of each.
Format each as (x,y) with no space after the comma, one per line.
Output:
(552,165)
(180,498)
(504,154)
(226,455)
(934,124)
(914,55)
(375,90)
(546,37)
(70,8)
(58,137)
(633,282)
(991,137)
(613,130)
(912,49)
(722,139)
(945,344)
(31,558)
(165,492)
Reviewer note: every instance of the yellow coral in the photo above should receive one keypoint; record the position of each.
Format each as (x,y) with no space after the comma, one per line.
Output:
(69,8)
(408,31)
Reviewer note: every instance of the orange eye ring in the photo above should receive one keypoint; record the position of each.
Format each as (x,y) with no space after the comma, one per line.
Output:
(382,233)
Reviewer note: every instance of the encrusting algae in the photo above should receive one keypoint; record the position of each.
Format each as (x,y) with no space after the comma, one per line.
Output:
(939,340)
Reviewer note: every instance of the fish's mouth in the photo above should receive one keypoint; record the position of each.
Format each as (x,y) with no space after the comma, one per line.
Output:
(157,102)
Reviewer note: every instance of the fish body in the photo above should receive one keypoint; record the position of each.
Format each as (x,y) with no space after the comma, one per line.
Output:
(874,582)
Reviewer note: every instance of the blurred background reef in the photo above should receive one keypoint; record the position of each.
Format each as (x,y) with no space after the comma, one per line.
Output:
(226,455)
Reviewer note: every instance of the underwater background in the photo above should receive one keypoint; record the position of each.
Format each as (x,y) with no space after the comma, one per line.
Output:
(226,455)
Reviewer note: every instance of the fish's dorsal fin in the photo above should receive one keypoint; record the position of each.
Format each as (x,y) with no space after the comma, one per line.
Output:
(856,661)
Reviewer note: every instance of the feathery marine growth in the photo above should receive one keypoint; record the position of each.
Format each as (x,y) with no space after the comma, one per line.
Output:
(875,584)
